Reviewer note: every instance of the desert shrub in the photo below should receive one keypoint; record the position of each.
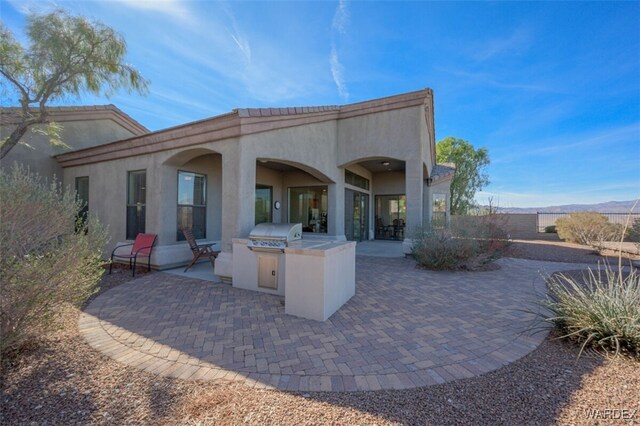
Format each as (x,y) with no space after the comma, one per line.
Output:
(468,243)
(633,233)
(602,309)
(551,229)
(47,256)
(588,228)
(438,248)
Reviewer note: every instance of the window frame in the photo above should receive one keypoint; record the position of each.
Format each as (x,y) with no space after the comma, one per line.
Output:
(270,204)
(179,234)
(78,197)
(128,205)
(351,178)
(83,213)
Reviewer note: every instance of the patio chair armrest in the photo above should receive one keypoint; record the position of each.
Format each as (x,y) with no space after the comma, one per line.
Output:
(143,248)
(113,253)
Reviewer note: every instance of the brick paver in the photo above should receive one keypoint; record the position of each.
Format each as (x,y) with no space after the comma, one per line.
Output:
(404,328)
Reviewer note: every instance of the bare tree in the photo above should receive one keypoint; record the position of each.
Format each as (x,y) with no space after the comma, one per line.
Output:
(66,55)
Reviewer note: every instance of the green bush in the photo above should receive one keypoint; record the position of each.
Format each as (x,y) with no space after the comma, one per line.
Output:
(551,229)
(588,228)
(47,257)
(602,309)
(468,243)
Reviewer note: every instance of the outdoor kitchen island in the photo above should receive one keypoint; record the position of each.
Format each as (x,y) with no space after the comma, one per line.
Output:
(315,276)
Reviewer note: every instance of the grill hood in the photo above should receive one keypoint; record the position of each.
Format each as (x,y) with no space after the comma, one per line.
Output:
(277,231)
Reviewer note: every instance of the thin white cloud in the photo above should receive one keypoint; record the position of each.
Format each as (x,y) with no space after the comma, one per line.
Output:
(339,27)
(520,40)
(341,18)
(337,71)
(33,6)
(236,35)
(173,8)
(210,54)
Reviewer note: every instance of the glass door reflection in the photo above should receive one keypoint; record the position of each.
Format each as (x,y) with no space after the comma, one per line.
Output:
(391,217)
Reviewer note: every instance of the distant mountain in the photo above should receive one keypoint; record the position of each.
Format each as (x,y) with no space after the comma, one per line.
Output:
(608,207)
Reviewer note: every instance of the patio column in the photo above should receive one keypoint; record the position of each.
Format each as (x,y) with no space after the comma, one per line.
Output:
(414,186)
(238,196)
(427,204)
(238,204)
(335,195)
(165,208)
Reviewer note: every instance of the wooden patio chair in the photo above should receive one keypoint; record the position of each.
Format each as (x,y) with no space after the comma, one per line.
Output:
(141,247)
(198,250)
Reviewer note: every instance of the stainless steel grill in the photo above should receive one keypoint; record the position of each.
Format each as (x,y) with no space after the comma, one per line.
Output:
(274,237)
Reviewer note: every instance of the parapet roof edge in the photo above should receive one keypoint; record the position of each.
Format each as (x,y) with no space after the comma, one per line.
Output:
(350,110)
(80,113)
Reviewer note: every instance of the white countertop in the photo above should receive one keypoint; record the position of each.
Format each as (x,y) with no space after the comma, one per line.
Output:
(312,247)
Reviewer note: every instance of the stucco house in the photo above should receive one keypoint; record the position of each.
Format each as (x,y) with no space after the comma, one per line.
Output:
(81,127)
(352,172)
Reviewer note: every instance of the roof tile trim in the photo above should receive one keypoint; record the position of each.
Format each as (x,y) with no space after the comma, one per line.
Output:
(442,171)
(80,113)
(165,139)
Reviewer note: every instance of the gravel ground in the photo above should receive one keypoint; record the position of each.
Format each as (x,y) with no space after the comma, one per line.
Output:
(62,380)
(560,251)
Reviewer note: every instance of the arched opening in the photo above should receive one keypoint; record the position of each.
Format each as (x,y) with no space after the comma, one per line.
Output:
(292,192)
(375,199)
(192,194)
(183,157)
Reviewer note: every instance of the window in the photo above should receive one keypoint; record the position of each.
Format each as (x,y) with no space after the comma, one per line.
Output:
(82,195)
(356,180)
(192,204)
(308,205)
(263,203)
(136,203)
(439,210)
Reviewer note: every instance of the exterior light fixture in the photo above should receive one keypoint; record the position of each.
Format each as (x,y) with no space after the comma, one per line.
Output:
(385,163)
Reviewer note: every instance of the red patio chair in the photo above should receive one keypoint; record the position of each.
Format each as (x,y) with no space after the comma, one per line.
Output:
(141,246)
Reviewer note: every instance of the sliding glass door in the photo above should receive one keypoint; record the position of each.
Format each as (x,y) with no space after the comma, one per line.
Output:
(391,217)
(356,215)
(309,206)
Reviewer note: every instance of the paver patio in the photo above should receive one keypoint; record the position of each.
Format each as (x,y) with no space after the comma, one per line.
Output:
(404,328)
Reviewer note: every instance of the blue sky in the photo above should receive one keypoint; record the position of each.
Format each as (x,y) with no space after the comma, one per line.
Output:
(551,89)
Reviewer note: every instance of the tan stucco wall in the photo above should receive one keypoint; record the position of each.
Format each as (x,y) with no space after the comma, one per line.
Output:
(312,148)
(388,183)
(108,190)
(389,134)
(76,134)
(234,165)
(398,134)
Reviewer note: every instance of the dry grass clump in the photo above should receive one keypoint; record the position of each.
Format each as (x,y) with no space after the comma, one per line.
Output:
(599,309)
